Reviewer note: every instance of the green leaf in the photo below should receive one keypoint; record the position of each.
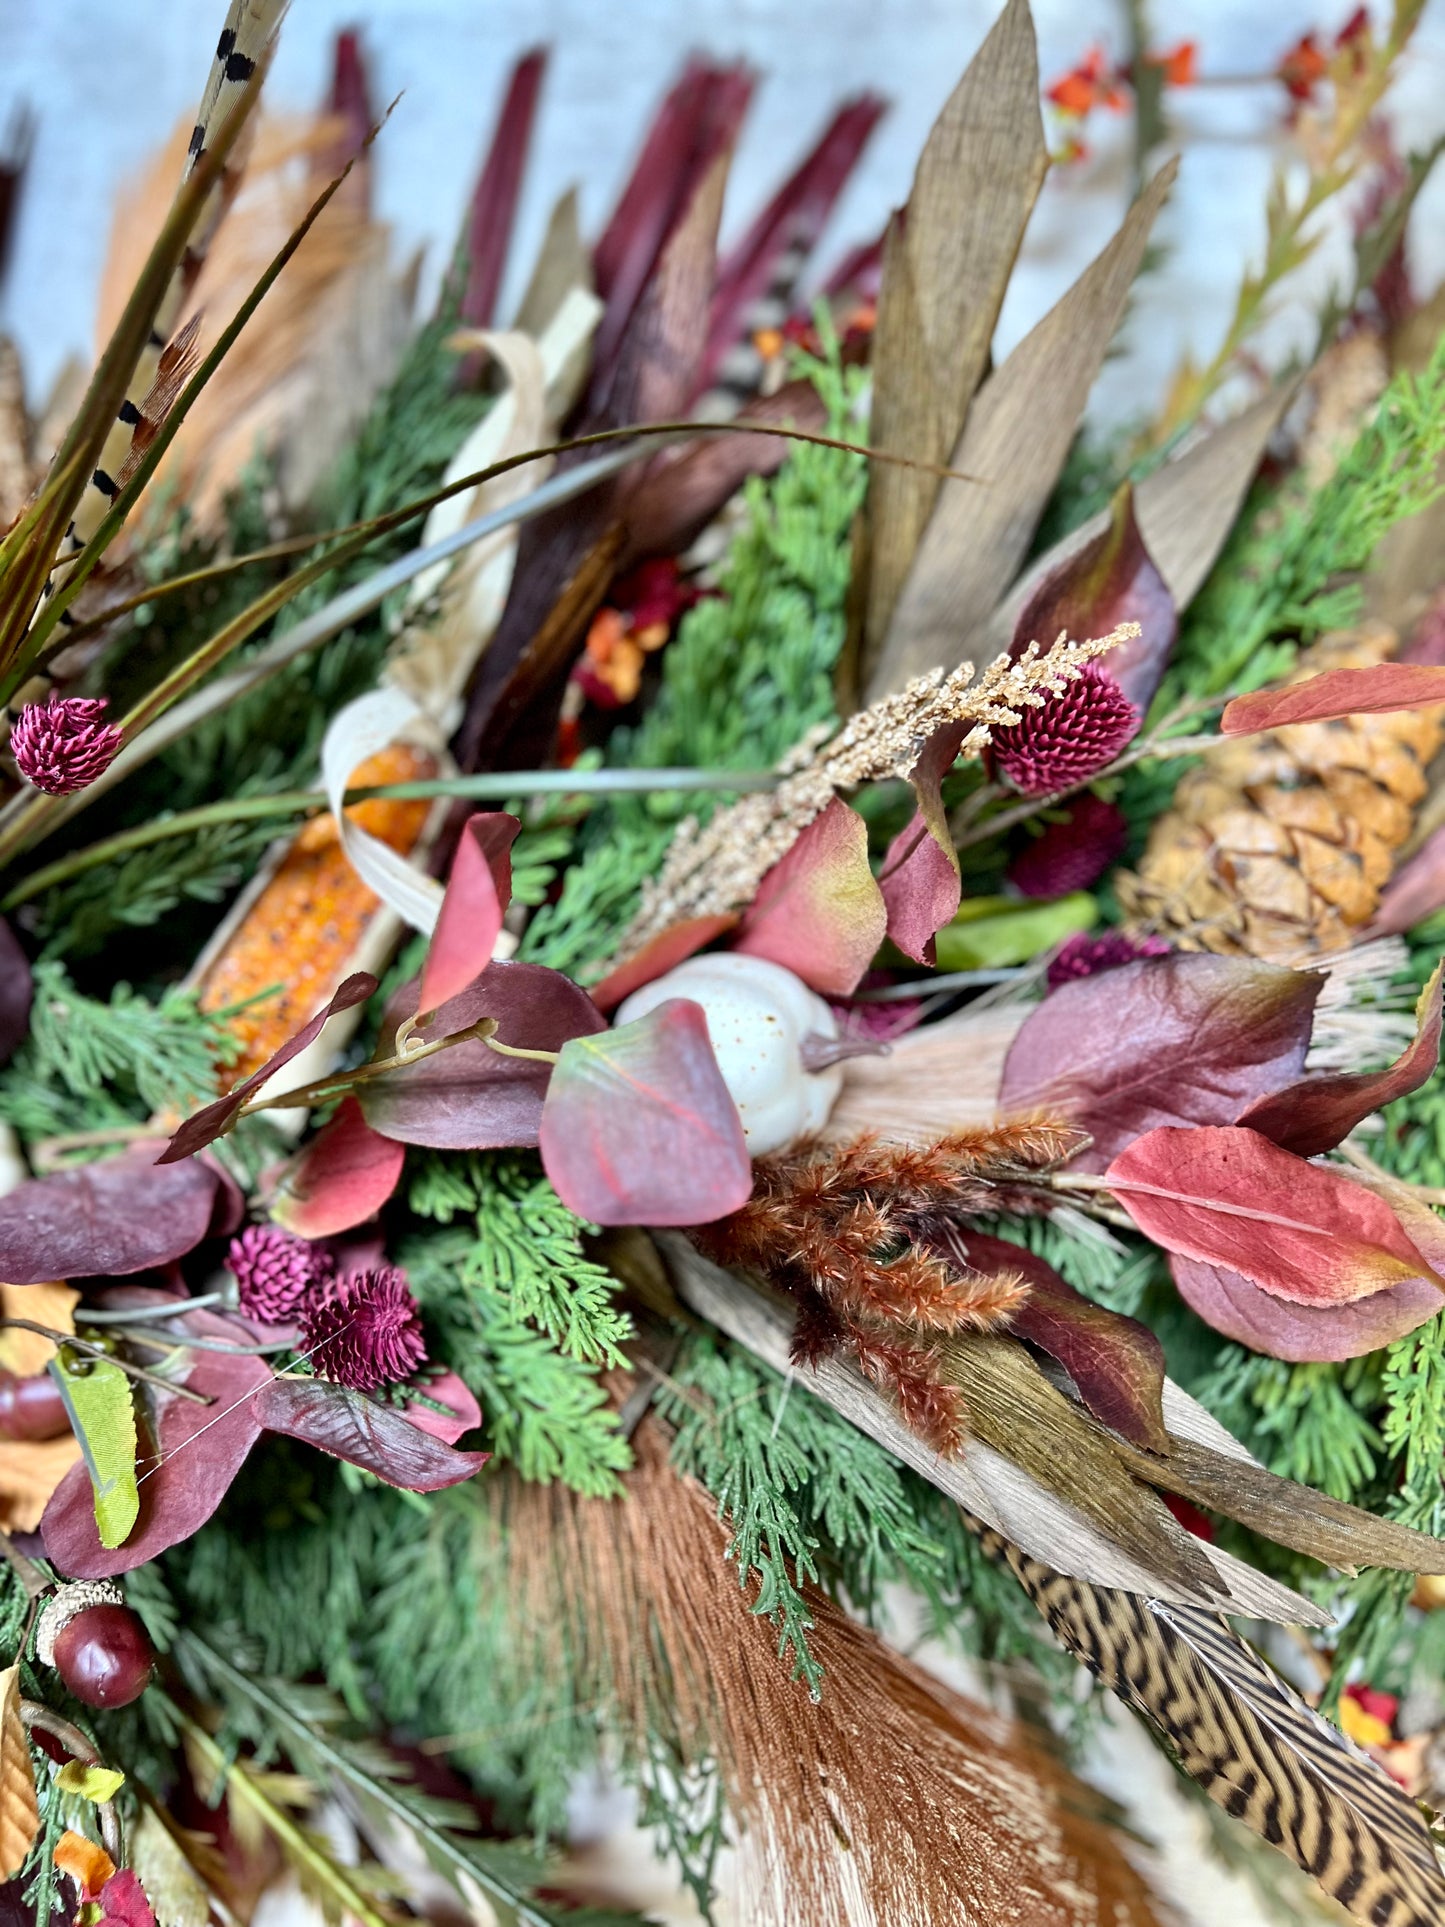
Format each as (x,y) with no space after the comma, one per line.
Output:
(97,1783)
(97,1396)
(993,933)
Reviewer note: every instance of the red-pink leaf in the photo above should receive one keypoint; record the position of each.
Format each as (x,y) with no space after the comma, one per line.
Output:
(104,1220)
(123,1902)
(920,877)
(351,1426)
(1110,580)
(1416,890)
(818,911)
(343,1177)
(639,1127)
(199,1451)
(664,952)
(216,1119)
(1116,1363)
(1338,692)
(463,1413)
(1167,1040)
(470,921)
(1229,1197)
(468,1097)
(1320,1112)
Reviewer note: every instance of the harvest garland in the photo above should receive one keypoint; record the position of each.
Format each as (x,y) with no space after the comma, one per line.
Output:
(907,1080)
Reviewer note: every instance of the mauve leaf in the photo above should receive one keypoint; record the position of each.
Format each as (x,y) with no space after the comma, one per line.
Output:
(462,1414)
(17,993)
(920,878)
(199,1451)
(1111,580)
(468,1097)
(1416,890)
(107,1220)
(1167,1040)
(818,911)
(351,1426)
(217,1118)
(662,953)
(1338,692)
(1116,1363)
(1229,1197)
(1320,1112)
(470,921)
(639,1127)
(343,1177)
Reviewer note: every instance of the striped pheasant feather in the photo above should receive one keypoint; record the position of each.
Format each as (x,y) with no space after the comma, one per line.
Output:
(249,29)
(1249,1740)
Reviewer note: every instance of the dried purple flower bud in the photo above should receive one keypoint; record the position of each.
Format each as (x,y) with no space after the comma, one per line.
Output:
(1087,956)
(276,1272)
(1069,738)
(64,744)
(1072,853)
(366,1332)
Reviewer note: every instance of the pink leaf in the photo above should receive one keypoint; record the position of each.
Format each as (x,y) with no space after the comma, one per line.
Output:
(818,911)
(1167,1040)
(351,1426)
(1320,1112)
(462,1414)
(216,1119)
(639,1127)
(664,952)
(122,1215)
(343,1177)
(1230,1198)
(123,1902)
(1116,1363)
(1240,1310)
(920,879)
(468,1097)
(199,1451)
(1338,692)
(470,921)
(1415,891)
(1110,580)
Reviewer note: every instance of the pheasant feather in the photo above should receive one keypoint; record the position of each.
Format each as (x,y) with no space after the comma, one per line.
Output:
(1249,1741)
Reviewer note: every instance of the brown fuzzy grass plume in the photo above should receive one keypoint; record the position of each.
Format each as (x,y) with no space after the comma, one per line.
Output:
(891,1800)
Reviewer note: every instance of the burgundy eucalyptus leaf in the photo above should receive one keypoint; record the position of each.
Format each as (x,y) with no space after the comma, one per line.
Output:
(462,1412)
(818,911)
(17,993)
(1320,1112)
(199,1449)
(216,1119)
(660,954)
(1116,1363)
(468,1097)
(109,1219)
(470,921)
(920,878)
(1230,1198)
(1110,580)
(343,1177)
(351,1426)
(1167,1040)
(639,1127)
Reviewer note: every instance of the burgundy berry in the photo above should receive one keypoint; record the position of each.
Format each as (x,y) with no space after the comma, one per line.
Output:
(31,1408)
(104,1657)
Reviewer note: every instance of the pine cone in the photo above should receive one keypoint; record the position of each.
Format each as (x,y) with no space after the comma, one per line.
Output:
(1280,845)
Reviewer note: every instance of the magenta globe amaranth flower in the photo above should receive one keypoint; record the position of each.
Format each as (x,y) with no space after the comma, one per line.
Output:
(63,745)
(1072,852)
(366,1332)
(276,1272)
(1085,956)
(1070,737)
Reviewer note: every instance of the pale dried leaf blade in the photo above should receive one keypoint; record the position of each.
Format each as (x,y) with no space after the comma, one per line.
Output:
(1017,437)
(946,267)
(19,1808)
